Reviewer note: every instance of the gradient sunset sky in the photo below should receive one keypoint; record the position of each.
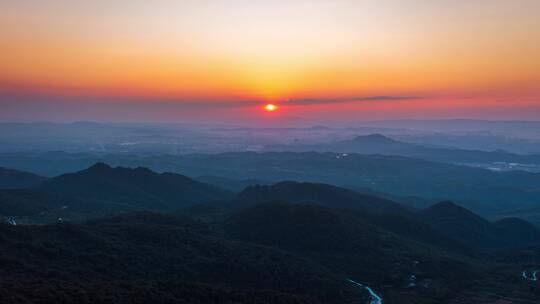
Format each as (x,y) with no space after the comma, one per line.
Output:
(332,60)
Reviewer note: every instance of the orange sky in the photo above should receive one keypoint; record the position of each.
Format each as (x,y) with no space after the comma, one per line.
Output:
(454,54)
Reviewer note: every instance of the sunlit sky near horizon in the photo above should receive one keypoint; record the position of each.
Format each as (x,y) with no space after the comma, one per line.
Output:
(123,60)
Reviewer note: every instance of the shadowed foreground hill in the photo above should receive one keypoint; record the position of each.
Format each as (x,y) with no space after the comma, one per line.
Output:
(134,188)
(137,292)
(344,241)
(468,227)
(35,206)
(307,228)
(520,232)
(316,193)
(26,202)
(147,249)
(397,265)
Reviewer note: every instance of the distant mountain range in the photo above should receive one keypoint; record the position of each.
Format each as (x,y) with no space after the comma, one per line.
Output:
(380,144)
(231,184)
(413,181)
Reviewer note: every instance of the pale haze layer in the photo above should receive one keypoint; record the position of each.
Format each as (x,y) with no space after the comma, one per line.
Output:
(332,60)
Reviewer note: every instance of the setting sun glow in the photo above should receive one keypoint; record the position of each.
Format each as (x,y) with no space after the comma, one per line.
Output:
(319,59)
(270,107)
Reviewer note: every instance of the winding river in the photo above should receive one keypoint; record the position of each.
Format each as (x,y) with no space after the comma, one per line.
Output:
(375,298)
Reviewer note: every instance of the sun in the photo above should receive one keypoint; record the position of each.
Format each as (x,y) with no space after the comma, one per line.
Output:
(270,107)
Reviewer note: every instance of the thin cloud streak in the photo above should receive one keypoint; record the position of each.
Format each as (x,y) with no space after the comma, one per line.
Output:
(316,101)
(300,102)
(9,95)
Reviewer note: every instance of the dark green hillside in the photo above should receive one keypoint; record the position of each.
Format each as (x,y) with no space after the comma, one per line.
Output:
(347,243)
(460,224)
(150,247)
(137,292)
(321,194)
(414,229)
(307,228)
(469,228)
(384,256)
(26,202)
(518,231)
(12,179)
(134,188)
(36,206)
